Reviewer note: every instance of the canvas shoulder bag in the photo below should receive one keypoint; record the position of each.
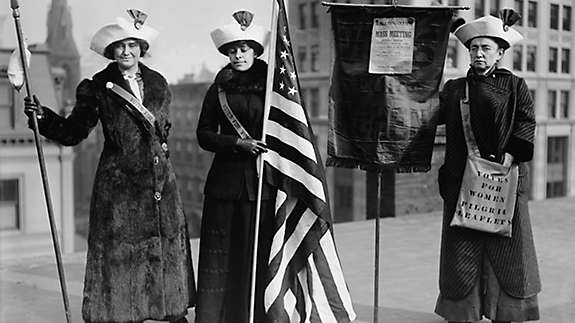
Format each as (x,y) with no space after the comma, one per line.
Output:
(488,190)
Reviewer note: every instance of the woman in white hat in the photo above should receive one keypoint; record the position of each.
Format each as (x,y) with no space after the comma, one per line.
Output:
(138,264)
(483,274)
(231,186)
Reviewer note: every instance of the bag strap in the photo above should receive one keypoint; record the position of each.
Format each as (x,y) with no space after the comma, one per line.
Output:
(472,148)
(242,132)
(134,105)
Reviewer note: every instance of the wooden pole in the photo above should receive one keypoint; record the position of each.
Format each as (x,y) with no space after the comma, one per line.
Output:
(54,231)
(260,165)
(376,256)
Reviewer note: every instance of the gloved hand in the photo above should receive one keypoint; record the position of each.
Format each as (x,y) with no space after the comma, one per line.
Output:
(251,146)
(507,160)
(31,106)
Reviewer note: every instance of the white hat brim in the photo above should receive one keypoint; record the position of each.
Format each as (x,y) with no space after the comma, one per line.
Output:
(121,30)
(231,33)
(487,26)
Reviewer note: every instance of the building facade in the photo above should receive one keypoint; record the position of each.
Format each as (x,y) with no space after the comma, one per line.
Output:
(190,162)
(24,226)
(543,59)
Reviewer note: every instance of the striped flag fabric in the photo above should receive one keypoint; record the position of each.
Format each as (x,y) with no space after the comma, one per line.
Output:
(305,282)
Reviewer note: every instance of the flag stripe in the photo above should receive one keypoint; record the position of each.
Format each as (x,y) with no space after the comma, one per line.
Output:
(291,136)
(288,121)
(295,155)
(320,298)
(287,166)
(290,247)
(330,258)
(288,107)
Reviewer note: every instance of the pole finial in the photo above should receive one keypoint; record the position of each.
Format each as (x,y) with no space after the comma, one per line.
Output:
(14,4)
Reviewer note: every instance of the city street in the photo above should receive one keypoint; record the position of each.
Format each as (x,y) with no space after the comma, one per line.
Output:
(29,289)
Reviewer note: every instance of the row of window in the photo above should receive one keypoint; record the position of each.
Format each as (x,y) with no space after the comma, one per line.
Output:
(560,16)
(556,65)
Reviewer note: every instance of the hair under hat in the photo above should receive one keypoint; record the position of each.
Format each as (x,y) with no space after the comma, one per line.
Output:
(243,30)
(124,29)
(489,26)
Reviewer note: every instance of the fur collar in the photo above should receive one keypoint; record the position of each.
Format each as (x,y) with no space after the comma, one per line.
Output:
(155,85)
(250,81)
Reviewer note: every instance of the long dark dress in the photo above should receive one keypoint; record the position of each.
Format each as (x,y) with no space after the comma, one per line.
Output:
(138,263)
(502,119)
(228,218)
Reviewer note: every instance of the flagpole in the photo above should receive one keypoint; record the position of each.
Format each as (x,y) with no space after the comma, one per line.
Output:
(260,160)
(54,231)
(376,248)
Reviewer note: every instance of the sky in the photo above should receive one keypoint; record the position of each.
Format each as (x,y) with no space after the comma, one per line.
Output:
(184,43)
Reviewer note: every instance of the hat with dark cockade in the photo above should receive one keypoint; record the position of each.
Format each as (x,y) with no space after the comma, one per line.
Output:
(493,27)
(243,29)
(123,29)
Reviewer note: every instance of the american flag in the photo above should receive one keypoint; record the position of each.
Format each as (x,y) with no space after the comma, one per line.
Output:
(305,281)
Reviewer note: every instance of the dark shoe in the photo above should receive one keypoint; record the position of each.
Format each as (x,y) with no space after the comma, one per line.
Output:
(182,320)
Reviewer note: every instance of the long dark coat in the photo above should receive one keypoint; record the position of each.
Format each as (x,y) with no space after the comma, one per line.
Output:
(502,119)
(228,217)
(138,262)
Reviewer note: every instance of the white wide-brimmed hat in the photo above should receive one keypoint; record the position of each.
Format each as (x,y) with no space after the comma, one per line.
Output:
(243,29)
(123,29)
(490,26)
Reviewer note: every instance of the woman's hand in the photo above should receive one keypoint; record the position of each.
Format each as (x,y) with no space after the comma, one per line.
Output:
(251,146)
(507,160)
(33,106)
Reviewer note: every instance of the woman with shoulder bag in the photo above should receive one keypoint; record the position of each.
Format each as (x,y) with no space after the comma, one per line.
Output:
(484,274)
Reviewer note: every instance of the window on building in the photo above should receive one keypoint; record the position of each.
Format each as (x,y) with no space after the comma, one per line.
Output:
(564,111)
(479,8)
(532,14)
(314,23)
(551,104)
(9,204)
(494,6)
(554,16)
(451,56)
(6,101)
(302,59)
(553,60)
(567,18)
(518,57)
(518,5)
(531,58)
(314,59)
(302,15)
(565,60)
(556,166)
(314,105)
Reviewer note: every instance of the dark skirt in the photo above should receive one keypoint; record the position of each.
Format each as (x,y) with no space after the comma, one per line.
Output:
(488,299)
(225,260)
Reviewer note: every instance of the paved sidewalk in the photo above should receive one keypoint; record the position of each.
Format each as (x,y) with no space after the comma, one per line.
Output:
(29,289)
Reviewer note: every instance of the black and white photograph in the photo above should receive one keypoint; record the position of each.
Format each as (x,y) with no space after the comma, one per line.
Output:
(287,161)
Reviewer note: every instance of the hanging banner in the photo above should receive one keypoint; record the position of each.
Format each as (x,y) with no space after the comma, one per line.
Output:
(384,89)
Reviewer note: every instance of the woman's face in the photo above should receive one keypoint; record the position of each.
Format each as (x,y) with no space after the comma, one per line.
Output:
(484,52)
(241,56)
(127,53)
